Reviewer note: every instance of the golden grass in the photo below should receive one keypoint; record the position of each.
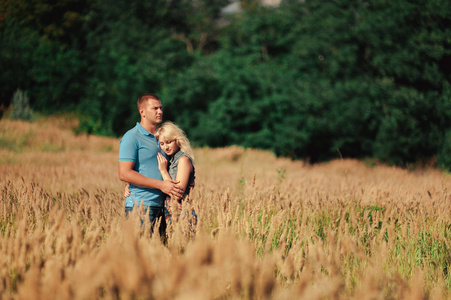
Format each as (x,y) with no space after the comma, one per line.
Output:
(269,228)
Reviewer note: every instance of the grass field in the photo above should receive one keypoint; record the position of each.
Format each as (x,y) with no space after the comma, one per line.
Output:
(269,228)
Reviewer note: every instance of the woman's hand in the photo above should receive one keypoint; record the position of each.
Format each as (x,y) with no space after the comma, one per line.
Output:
(127,190)
(162,162)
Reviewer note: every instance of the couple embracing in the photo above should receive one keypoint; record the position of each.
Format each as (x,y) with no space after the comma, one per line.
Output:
(157,164)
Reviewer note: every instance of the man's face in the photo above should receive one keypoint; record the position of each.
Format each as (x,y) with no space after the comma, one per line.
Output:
(152,111)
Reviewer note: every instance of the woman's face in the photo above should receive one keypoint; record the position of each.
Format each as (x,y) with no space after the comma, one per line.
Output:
(169,147)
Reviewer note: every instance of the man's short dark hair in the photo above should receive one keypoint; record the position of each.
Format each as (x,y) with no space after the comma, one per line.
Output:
(145,98)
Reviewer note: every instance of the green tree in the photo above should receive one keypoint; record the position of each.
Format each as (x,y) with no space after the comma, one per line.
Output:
(307,79)
(41,47)
(197,23)
(16,46)
(131,52)
(60,21)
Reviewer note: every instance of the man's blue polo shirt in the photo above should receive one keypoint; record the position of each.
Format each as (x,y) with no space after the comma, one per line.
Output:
(141,147)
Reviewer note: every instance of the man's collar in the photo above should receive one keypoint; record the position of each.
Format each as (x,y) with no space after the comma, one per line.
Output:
(142,130)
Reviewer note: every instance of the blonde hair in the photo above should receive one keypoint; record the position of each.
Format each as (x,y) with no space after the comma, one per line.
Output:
(170,131)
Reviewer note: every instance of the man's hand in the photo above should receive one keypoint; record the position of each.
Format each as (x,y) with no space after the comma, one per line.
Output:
(170,187)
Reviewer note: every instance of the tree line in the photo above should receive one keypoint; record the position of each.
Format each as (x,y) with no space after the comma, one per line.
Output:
(307,79)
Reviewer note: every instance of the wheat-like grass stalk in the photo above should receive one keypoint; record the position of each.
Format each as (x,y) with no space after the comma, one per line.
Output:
(268,228)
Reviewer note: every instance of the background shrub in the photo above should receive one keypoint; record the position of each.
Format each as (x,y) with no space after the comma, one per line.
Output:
(21,109)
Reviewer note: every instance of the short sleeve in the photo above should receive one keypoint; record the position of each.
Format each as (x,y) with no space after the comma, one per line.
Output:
(128,147)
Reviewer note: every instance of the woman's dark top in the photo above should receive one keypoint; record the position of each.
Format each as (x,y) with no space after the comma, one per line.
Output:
(173,167)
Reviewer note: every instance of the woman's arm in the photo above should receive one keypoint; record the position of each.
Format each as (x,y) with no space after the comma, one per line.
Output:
(184,169)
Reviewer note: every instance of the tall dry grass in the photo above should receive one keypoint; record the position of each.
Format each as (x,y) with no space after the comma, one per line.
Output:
(268,228)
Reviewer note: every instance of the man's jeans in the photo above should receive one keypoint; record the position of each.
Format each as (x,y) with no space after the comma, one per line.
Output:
(154,214)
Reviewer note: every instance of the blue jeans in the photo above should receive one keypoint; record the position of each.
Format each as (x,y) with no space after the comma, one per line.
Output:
(154,214)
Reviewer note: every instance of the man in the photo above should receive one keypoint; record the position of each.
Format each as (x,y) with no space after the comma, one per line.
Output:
(138,164)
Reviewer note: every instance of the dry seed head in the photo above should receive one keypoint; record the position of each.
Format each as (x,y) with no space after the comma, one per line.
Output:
(93,231)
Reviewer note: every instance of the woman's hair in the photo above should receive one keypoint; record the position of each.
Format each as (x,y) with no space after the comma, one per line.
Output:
(172,132)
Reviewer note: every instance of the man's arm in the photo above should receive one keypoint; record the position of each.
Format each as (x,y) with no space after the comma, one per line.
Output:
(127,174)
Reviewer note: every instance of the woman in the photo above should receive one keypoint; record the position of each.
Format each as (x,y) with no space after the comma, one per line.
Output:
(175,144)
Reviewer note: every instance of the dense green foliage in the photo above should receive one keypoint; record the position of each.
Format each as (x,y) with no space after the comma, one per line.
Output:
(307,79)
